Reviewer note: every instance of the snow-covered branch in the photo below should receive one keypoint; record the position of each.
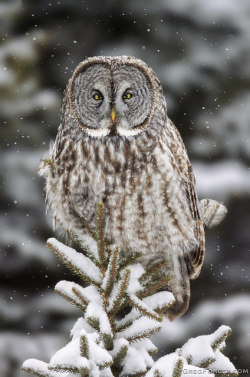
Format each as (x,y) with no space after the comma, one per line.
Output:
(121,307)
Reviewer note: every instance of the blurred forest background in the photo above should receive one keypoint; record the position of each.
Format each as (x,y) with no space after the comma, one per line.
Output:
(201,52)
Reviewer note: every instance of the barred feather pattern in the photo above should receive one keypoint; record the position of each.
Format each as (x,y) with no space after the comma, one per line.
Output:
(212,212)
(145,181)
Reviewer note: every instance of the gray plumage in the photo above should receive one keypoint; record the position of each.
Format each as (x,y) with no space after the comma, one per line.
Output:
(117,145)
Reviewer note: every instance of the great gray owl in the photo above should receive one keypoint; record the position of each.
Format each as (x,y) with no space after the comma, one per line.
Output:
(117,145)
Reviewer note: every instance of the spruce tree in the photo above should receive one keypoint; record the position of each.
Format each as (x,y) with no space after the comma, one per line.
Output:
(121,306)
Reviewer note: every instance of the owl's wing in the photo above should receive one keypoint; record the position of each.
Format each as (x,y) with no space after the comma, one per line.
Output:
(195,258)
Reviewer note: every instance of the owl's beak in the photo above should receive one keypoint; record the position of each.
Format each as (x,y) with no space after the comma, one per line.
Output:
(112,115)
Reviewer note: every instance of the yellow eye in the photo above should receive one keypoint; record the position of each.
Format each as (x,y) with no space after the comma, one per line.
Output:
(98,97)
(127,95)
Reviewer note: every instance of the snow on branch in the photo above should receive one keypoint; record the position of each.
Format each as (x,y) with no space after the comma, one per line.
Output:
(121,307)
(65,289)
(77,262)
(41,369)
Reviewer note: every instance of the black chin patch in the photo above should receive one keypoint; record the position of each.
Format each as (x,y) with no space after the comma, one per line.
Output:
(113,131)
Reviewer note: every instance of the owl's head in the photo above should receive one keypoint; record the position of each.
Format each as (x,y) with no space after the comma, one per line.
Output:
(112,96)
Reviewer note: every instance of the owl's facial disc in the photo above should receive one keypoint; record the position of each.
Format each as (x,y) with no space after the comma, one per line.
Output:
(90,99)
(133,100)
(108,100)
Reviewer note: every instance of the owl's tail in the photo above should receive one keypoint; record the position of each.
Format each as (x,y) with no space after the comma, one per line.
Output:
(180,287)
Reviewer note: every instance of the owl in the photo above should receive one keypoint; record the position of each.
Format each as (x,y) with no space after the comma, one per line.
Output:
(116,144)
